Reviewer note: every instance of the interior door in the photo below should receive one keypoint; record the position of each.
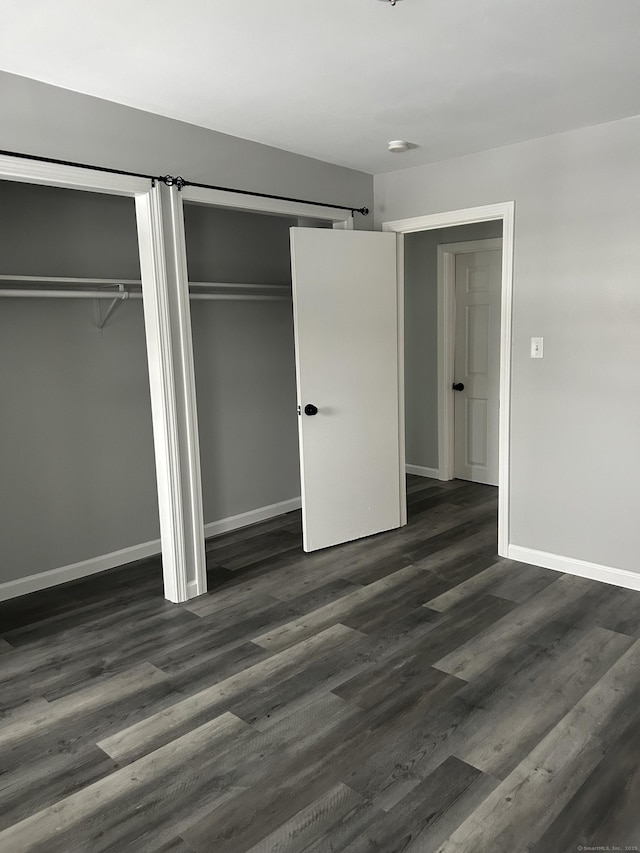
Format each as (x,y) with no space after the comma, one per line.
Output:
(477,365)
(345,302)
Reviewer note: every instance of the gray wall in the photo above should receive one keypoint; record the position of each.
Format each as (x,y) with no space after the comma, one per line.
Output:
(244,363)
(53,122)
(421,334)
(575,416)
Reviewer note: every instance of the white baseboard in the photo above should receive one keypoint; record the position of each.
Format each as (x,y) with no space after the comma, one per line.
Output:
(64,574)
(419,471)
(233,522)
(593,571)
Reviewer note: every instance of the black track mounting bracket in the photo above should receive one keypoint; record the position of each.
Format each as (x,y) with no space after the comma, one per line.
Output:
(172,181)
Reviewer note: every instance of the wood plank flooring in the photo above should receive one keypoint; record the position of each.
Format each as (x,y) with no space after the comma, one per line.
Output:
(408,692)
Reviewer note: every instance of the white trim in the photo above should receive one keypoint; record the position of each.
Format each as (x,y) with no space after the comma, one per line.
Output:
(420,471)
(344,224)
(162,385)
(445,359)
(190,483)
(446,343)
(233,522)
(76,571)
(504,211)
(54,175)
(401,403)
(572,566)
(257,204)
(449,218)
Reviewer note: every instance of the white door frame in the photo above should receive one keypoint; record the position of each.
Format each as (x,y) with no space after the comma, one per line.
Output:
(446,344)
(166,335)
(505,212)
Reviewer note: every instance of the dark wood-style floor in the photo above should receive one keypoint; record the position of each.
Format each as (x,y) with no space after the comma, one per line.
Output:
(408,692)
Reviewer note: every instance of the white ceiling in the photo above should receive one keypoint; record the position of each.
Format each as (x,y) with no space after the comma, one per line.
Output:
(338,79)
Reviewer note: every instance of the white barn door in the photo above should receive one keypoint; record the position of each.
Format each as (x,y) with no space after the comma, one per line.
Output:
(345,303)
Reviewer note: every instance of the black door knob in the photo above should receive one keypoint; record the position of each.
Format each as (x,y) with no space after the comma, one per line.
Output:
(310,409)
(458,386)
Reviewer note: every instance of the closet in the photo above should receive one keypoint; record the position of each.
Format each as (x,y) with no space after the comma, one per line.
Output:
(77,473)
(214,414)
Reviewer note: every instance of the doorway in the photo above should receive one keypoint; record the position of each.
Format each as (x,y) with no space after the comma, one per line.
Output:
(443,466)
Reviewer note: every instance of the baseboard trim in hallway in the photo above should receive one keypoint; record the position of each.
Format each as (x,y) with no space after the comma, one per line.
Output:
(572,566)
(421,471)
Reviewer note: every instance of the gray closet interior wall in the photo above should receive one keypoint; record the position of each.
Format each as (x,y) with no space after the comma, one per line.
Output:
(77,474)
(244,362)
(421,334)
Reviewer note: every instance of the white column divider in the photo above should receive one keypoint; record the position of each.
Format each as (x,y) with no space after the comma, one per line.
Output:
(189,441)
(171,378)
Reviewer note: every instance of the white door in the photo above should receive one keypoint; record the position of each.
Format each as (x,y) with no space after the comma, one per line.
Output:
(345,304)
(477,365)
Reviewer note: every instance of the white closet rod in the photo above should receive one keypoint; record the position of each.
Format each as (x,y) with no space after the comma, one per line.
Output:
(105,294)
(263,292)
(69,294)
(131,282)
(63,280)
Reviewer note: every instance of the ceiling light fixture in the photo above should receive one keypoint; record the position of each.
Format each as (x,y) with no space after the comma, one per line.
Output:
(398,146)
(393,2)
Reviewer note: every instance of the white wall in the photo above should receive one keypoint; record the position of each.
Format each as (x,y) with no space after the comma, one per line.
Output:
(575,432)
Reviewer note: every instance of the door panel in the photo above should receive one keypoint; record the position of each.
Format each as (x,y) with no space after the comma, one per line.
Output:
(346,330)
(477,365)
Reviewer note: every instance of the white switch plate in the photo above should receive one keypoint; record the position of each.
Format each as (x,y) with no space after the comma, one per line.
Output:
(537,347)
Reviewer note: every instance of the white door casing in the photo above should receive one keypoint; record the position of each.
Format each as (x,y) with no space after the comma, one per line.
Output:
(345,298)
(477,365)
(504,212)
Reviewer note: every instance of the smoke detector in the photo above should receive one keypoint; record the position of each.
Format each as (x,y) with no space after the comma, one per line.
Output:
(393,2)
(398,146)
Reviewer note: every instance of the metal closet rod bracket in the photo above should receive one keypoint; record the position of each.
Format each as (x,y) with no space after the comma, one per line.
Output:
(122,295)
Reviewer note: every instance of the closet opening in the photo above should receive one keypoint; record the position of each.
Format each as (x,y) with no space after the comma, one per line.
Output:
(332,324)
(78,492)
(239,273)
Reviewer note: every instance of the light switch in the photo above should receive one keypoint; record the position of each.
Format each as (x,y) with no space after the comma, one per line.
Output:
(537,347)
